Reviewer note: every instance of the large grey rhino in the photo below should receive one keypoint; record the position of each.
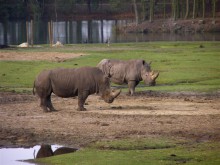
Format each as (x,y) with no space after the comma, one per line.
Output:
(65,83)
(129,72)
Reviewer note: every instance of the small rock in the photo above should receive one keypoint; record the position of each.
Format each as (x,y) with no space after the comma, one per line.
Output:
(58,44)
(104,124)
(201,22)
(23,45)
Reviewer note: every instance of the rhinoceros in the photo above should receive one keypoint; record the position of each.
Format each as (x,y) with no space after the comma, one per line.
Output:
(129,72)
(65,83)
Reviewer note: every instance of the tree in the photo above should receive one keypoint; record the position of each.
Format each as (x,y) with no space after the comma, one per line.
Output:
(144,8)
(136,12)
(187,9)
(89,5)
(203,8)
(151,10)
(213,8)
(164,9)
(174,9)
(194,8)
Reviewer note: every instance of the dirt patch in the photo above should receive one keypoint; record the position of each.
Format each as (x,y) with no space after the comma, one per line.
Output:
(147,114)
(38,56)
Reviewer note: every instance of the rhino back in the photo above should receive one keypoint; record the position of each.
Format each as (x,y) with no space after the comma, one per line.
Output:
(69,82)
(124,71)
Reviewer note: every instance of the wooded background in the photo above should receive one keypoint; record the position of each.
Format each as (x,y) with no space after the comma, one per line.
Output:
(140,10)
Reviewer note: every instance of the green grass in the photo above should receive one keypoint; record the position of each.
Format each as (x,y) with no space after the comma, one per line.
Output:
(141,151)
(183,66)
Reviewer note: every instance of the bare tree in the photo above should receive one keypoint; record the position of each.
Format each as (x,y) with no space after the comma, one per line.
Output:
(213,8)
(136,12)
(203,8)
(194,8)
(174,9)
(164,8)
(151,10)
(187,9)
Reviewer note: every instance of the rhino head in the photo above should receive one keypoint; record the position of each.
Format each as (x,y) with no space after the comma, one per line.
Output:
(109,95)
(148,76)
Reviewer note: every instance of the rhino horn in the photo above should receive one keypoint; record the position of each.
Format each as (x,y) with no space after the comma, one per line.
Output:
(115,93)
(154,75)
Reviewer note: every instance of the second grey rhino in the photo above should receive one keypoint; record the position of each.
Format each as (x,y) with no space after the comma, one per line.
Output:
(129,72)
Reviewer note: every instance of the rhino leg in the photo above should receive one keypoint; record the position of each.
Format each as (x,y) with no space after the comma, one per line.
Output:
(43,104)
(82,96)
(46,103)
(49,104)
(131,87)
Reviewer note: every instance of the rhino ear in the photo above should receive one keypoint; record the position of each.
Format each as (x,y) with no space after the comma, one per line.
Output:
(143,62)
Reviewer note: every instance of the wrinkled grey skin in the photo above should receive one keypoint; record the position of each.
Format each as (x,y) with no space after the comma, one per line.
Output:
(129,72)
(65,83)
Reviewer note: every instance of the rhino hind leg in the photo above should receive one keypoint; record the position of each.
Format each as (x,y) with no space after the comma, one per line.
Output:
(46,104)
(82,96)
(50,105)
(43,104)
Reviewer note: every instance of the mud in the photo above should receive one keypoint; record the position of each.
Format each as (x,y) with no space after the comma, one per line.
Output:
(188,116)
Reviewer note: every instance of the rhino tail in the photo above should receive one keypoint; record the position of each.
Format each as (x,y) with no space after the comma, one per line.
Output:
(33,88)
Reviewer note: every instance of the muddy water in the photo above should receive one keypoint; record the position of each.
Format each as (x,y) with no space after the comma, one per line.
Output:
(16,156)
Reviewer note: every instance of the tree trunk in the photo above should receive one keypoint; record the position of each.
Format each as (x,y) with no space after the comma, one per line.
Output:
(194,8)
(55,9)
(143,3)
(89,5)
(213,8)
(164,9)
(136,12)
(187,9)
(151,10)
(174,9)
(203,8)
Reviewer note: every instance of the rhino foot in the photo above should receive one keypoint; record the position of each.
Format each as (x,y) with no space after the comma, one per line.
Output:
(81,109)
(54,110)
(44,108)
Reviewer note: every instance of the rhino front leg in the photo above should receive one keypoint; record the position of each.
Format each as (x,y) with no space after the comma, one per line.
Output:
(131,87)
(82,96)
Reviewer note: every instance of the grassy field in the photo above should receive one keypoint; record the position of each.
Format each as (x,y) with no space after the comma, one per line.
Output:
(141,152)
(183,66)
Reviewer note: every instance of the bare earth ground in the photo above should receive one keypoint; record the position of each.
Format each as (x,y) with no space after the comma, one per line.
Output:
(27,56)
(147,114)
